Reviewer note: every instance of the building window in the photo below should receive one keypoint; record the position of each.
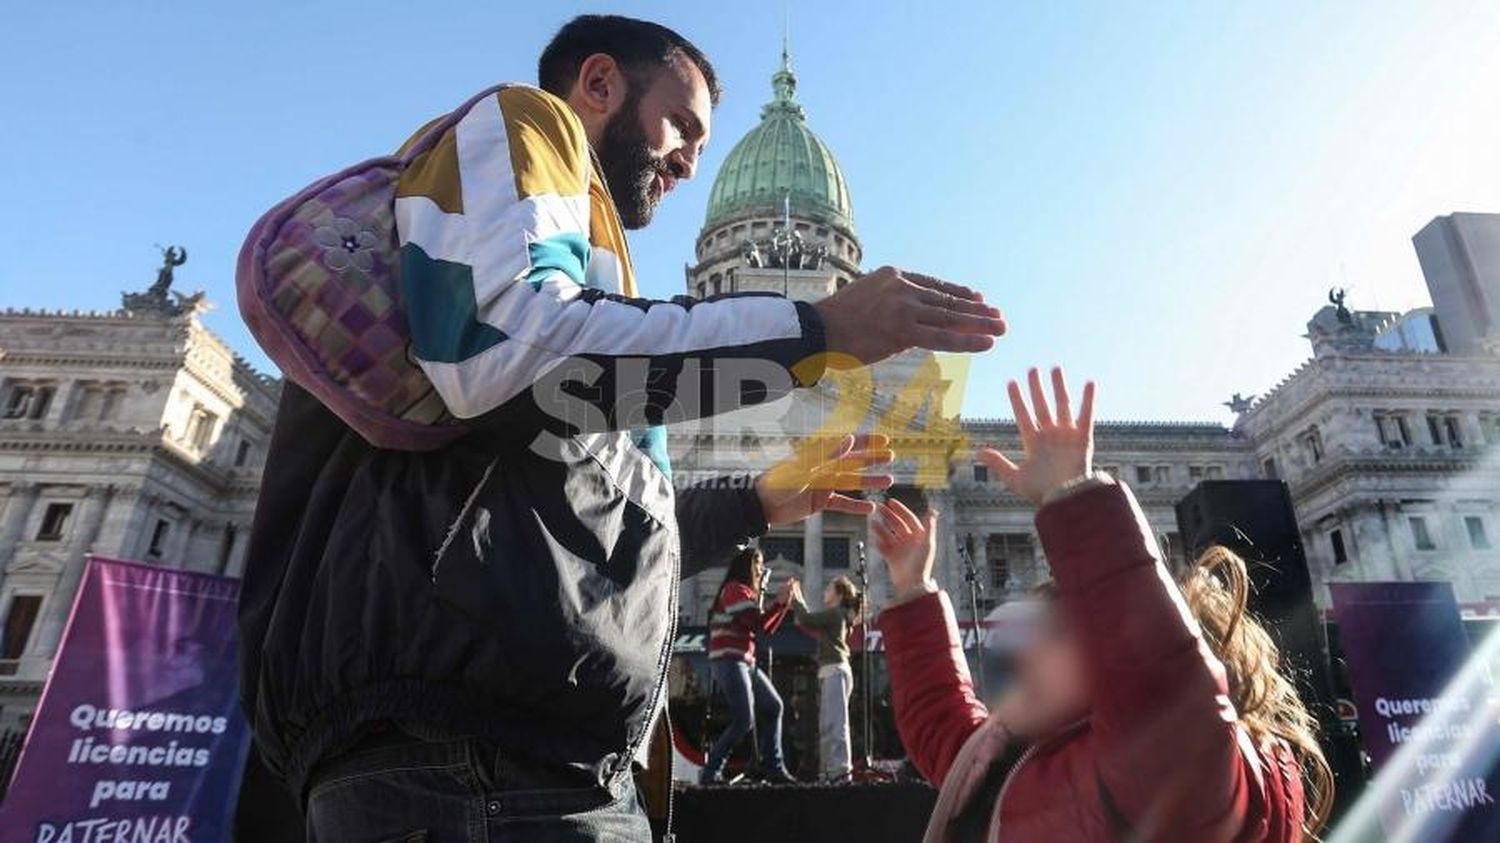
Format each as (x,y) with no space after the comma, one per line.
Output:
(1312,444)
(96,401)
(835,552)
(1393,430)
(242,453)
(1435,429)
(18,401)
(1451,431)
(1340,553)
(28,400)
(788,548)
(20,617)
(981,474)
(1008,555)
(1268,469)
(200,430)
(1113,471)
(1205,472)
(1143,475)
(1478,538)
(1420,536)
(1162,475)
(54,522)
(158,545)
(1489,425)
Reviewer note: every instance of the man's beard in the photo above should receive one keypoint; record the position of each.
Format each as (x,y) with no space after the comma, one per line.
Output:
(629,166)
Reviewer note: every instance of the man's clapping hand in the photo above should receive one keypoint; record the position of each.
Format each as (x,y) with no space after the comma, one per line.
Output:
(891,310)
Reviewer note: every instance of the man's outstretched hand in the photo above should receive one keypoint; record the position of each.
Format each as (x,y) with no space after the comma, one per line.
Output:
(817,475)
(891,310)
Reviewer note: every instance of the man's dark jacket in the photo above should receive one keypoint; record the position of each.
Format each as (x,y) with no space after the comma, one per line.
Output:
(492,588)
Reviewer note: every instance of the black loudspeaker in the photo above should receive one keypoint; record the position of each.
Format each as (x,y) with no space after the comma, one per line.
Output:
(1254,518)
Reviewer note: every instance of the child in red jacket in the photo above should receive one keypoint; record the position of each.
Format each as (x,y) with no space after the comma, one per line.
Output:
(1147,710)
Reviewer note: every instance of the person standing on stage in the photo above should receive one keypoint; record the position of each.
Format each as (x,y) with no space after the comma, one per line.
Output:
(738,618)
(831,626)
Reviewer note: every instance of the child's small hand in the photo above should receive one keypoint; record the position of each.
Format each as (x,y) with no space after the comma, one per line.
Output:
(907,544)
(1056,447)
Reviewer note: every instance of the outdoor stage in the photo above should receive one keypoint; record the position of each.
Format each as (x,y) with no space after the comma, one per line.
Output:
(846,813)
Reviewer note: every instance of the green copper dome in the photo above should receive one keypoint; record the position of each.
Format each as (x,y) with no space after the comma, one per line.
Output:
(781,157)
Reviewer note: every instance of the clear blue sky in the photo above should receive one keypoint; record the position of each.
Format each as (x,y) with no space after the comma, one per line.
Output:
(1158,194)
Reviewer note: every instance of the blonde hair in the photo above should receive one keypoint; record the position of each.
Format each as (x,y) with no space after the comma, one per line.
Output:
(1217,589)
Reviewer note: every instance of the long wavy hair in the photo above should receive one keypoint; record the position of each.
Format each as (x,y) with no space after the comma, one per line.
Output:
(1217,590)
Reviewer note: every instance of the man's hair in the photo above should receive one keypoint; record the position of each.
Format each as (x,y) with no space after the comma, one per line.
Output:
(639,47)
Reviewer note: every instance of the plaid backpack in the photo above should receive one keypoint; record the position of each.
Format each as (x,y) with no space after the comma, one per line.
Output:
(319,285)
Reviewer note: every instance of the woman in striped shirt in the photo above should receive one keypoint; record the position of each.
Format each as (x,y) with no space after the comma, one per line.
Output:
(738,618)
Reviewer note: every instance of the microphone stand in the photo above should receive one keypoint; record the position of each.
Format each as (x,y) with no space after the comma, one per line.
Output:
(971,577)
(867,771)
(760,599)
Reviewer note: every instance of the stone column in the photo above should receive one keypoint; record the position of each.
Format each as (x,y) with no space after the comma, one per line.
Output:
(120,527)
(96,500)
(234,566)
(182,555)
(138,529)
(17,511)
(812,559)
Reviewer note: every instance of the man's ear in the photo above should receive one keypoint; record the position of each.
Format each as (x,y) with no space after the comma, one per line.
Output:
(600,89)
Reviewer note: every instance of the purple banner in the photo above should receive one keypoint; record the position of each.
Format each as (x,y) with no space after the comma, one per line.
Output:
(1426,713)
(138,735)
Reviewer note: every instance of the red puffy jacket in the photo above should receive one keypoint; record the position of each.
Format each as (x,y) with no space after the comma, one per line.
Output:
(1160,755)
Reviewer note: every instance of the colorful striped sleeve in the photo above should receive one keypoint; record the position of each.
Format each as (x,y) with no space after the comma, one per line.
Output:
(494,227)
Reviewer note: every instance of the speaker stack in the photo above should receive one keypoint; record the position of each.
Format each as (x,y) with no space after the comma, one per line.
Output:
(1254,518)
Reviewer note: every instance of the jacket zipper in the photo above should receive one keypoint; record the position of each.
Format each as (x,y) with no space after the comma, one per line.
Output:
(1021,762)
(463,514)
(663,662)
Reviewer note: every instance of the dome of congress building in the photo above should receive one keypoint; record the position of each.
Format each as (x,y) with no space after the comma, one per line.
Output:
(781,158)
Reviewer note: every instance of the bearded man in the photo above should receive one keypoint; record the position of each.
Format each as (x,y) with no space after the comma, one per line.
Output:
(472,643)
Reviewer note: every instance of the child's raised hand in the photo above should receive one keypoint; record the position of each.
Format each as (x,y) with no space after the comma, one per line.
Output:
(907,544)
(1056,447)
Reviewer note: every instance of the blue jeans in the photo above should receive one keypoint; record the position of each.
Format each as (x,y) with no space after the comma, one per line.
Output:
(461,791)
(753,702)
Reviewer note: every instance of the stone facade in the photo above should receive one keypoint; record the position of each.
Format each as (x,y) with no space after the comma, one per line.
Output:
(130,434)
(1389,449)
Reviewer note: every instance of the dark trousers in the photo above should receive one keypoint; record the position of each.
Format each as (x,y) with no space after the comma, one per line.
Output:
(753,703)
(463,791)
